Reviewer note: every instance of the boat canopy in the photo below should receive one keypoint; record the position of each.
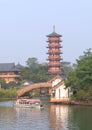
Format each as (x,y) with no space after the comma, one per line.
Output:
(30,100)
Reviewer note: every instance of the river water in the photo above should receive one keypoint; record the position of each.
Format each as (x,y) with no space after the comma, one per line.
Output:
(52,117)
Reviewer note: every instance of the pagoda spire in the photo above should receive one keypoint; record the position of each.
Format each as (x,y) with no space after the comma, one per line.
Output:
(53,28)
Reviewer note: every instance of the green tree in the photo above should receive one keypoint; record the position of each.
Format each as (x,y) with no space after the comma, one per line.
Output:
(81,76)
(32,62)
(67,67)
(34,71)
(3,83)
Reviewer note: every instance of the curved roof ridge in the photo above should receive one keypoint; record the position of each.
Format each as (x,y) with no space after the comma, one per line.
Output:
(54,34)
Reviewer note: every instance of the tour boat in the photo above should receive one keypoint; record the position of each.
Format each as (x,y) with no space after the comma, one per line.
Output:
(28,103)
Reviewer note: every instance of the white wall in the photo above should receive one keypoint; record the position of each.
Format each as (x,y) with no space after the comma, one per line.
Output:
(61,92)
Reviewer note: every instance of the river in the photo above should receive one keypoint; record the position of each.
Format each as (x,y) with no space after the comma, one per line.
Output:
(52,117)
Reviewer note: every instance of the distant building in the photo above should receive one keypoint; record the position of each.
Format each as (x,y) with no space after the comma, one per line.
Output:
(10,72)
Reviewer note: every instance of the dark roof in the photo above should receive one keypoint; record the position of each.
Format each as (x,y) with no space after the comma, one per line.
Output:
(63,76)
(18,66)
(8,67)
(54,34)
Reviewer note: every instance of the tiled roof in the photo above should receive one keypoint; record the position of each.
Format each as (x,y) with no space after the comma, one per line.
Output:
(54,34)
(54,78)
(8,67)
(18,66)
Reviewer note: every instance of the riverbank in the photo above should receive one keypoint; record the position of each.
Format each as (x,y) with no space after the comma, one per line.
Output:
(86,103)
(74,102)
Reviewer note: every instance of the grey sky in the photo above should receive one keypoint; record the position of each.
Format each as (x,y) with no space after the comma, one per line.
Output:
(24,25)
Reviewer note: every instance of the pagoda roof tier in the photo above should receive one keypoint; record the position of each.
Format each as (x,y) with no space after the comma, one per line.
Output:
(56,41)
(54,52)
(54,34)
(56,59)
(54,46)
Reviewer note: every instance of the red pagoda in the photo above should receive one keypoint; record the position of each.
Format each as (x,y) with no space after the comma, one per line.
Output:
(54,58)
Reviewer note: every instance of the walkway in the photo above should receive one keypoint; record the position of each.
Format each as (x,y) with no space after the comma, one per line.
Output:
(33,86)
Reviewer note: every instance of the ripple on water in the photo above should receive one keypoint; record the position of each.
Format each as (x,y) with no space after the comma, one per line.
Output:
(52,117)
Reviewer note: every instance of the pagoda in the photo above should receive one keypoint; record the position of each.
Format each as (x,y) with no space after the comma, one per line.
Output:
(54,52)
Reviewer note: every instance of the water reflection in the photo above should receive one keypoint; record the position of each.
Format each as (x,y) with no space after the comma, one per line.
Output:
(58,116)
(52,117)
(80,118)
(32,119)
(7,115)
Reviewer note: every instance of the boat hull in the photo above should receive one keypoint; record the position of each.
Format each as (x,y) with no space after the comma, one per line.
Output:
(28,103)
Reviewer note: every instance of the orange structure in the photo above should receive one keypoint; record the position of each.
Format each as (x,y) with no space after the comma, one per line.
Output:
(54,58)
(9,72)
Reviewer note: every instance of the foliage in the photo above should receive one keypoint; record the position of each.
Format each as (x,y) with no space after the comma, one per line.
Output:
(35,74)
(83,95)
(9,85)
(3,83)
(32,62)
(67,67)
(8,93)
(84,70)
(80,78)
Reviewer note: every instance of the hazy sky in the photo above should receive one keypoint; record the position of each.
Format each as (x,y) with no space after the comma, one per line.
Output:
(24,25)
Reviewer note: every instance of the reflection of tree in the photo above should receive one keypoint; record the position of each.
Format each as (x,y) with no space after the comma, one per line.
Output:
(58,117)
(80,118)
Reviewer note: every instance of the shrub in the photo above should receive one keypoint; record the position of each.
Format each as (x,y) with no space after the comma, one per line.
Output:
(8,93)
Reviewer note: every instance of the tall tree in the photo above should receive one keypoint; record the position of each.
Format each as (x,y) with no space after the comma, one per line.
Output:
(32,62)
(34,71)
(81,76)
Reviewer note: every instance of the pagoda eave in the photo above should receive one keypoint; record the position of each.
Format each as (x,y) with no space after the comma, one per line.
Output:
(55,41)
(54,53)
(54,65)
(54,73)
(54,59)
(54,46)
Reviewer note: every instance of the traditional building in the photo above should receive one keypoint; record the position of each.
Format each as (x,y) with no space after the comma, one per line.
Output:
(54,58)
(59,92)
(9,72)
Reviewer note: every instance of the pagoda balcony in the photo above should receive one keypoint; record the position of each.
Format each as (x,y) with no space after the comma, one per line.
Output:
(54,51)
(54,69)
(57,58)
(56,64)
(54,45)
(54,57)
(54,39)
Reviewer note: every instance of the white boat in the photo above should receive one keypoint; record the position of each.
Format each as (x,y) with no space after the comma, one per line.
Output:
(28,103)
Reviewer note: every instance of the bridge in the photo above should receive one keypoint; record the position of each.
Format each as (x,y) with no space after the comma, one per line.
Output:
(22,91)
